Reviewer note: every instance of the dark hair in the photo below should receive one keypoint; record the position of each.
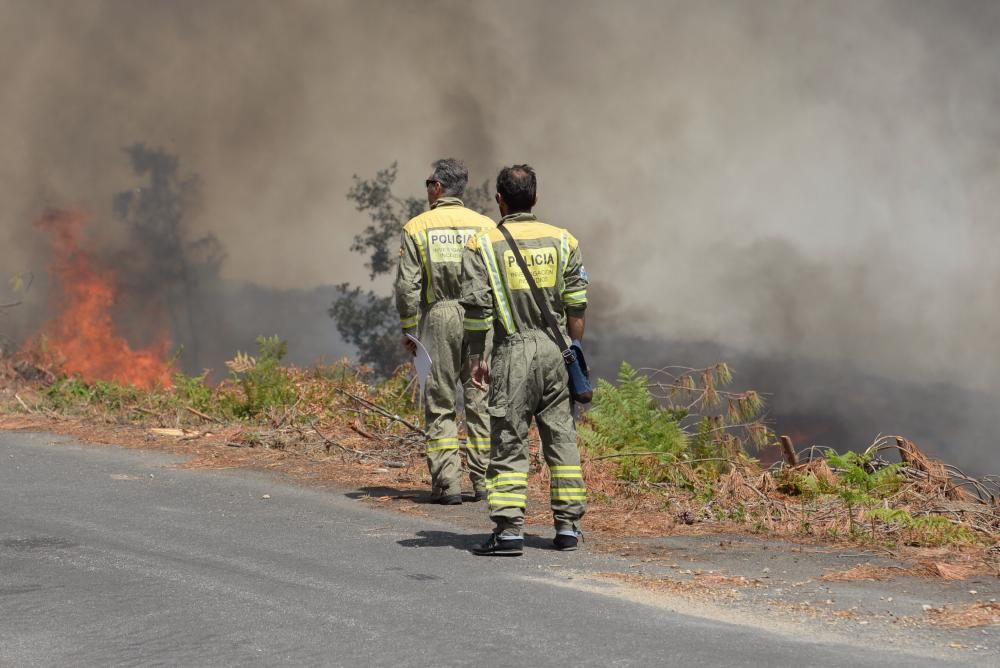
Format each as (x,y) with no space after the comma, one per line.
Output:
(452,175)
(517,185)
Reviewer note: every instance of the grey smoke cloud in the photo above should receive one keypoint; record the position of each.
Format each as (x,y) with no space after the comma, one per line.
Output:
(816,180)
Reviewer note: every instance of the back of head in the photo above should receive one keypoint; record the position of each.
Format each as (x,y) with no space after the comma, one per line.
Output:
(452,175)
(518,186)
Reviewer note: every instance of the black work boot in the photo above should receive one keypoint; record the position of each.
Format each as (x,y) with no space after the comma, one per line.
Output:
(450,500)
(566,542)
(478,494)
(497,546)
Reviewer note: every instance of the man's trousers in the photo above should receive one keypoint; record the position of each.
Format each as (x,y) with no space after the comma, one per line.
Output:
(442,333)
(528,379)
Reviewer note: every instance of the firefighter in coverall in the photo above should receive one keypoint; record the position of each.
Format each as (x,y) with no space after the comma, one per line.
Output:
(427,290)
(526,373)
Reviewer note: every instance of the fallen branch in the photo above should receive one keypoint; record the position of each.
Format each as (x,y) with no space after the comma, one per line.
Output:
(383,412)
(332,443)
(202,415)
(355,426)
(21,401)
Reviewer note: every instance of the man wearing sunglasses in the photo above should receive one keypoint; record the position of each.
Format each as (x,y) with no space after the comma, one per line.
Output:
(428,285)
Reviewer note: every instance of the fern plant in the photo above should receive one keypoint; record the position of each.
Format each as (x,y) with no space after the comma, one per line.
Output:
(932,530)
(626,419)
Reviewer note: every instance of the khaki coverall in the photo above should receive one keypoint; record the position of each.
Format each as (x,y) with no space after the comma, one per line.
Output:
(528,376)
(428,284)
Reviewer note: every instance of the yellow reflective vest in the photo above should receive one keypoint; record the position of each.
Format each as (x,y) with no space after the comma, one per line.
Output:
(430,256)
(495,289)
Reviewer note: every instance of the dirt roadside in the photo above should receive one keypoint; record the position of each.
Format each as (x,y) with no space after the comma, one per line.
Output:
(920,601)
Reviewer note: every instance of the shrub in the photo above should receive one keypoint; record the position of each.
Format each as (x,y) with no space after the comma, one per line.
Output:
(264,383)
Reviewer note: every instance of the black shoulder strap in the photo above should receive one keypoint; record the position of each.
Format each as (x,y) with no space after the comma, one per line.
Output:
(543,304)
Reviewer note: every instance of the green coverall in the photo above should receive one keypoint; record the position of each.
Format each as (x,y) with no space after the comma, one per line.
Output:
(528,376)
(428,285)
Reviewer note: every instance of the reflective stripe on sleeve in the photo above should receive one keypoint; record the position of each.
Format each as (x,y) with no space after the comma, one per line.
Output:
(574,298)
(564,260)
(407,323)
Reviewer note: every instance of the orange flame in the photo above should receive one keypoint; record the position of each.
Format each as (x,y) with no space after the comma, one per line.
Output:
(83,334)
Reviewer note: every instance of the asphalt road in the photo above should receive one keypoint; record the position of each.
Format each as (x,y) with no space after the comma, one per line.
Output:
(110,557)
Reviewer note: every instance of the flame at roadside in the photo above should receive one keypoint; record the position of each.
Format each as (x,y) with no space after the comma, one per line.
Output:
(83,336)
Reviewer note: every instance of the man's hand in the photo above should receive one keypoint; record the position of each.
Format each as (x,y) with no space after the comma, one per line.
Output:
(479,369)
(410,345)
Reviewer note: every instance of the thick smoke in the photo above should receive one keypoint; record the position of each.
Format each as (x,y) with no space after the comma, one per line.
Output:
(806,184)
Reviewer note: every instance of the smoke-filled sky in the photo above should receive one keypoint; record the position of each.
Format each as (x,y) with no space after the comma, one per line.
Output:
(812,179)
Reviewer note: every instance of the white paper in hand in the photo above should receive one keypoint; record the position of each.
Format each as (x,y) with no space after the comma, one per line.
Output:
(422,361)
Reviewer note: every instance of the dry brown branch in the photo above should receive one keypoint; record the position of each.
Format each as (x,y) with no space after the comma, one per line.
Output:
(202,415)
(356,427)
(21,401)
(332,443)
(383,412)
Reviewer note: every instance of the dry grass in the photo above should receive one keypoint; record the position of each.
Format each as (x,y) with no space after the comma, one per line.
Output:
(864,572)
(689,589)
(953,570)
(969,616)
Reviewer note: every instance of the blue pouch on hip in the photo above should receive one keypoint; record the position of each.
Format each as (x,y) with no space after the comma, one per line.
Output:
(580,388)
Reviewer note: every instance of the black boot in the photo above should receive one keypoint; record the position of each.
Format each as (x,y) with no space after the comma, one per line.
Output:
(499,547)
(565,542)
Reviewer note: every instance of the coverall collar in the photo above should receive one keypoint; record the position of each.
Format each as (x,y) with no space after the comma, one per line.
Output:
(447,201)
(520,217)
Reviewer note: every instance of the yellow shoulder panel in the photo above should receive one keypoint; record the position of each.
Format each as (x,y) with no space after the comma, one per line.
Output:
(525,231)
(449,216)
(418,223)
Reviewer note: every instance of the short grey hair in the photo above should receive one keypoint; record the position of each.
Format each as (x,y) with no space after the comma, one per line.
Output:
(452,175)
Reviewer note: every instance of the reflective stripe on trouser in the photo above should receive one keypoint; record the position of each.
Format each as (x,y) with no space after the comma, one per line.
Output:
(528,379)
(442,332)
